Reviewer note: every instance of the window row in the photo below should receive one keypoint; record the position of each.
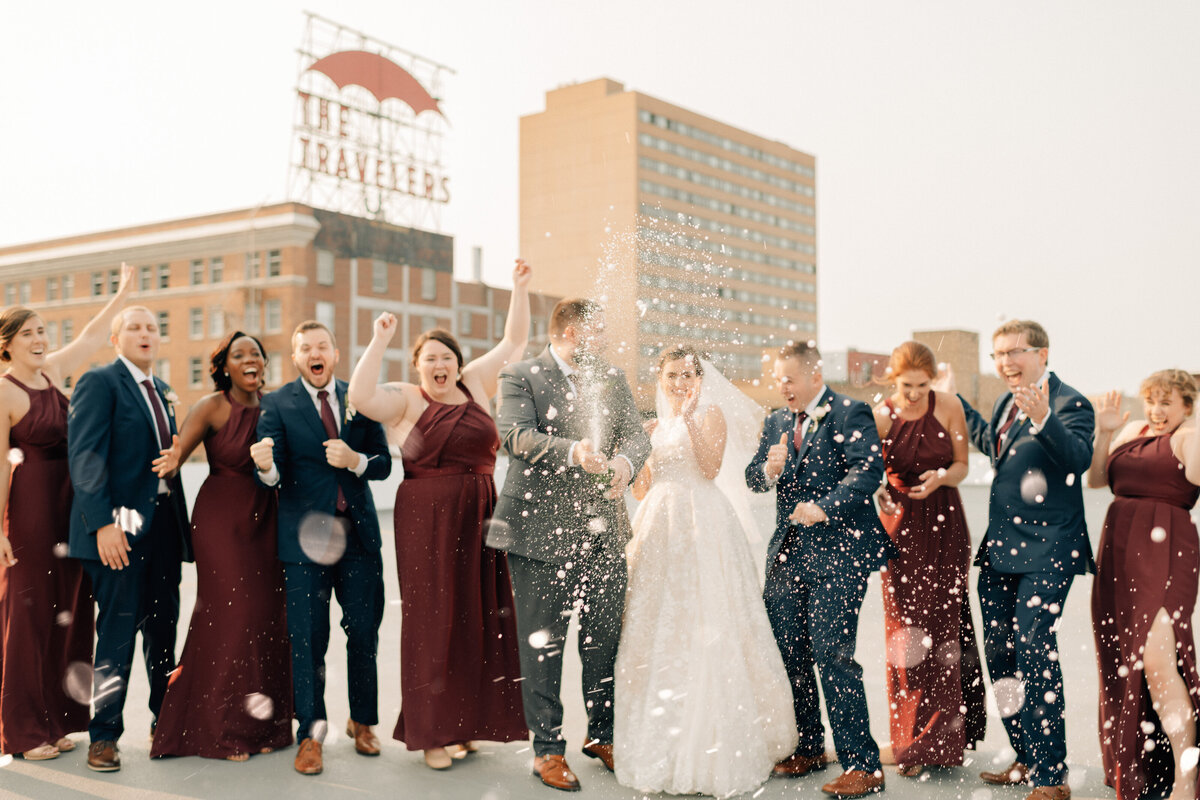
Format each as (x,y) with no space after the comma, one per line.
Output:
(722,185)
(703,223)
(725,143)
(724,164)
(726,207)
(656,237)
(725,292)
(661,259)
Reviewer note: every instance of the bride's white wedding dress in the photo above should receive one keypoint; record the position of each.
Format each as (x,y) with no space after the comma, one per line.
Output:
(703,702)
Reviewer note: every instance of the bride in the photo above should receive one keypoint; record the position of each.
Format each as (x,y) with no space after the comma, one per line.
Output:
(703,702)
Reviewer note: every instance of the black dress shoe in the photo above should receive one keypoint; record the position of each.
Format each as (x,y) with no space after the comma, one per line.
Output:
(103,756)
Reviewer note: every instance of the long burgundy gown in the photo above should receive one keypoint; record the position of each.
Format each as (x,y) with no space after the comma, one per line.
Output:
(232,690)
(1147,560)
(46,617)
(458,634)
(933,665)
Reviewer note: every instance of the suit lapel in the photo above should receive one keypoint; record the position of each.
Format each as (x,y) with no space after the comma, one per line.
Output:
(813,424)
(307,410)
(340,390)
(134,391)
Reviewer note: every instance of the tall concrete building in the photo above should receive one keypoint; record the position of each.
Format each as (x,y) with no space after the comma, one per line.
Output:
(689,229)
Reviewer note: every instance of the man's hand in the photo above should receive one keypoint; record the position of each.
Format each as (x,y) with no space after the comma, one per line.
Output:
(263,453)
(339,455)
(777,457)
(113,546)
(944,382)
(1034,402)
(808,514)
(620,479)
(589,459)
(887,506)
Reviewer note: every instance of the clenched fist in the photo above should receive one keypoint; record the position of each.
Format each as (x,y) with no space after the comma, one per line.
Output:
(263,453)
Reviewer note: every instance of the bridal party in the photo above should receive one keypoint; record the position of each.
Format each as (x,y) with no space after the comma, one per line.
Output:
(718,652)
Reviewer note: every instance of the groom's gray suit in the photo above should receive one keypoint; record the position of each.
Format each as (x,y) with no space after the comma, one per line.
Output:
(565,542)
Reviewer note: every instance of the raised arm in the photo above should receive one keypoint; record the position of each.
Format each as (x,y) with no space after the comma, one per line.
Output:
(386,403)
(707,434)
(1108,421)
(485,370)
(68,359)
(979,430)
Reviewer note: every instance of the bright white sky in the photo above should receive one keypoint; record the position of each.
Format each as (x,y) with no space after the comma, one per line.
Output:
(974,162)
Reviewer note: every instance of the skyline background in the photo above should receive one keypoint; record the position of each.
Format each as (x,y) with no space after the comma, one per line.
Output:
(974,163)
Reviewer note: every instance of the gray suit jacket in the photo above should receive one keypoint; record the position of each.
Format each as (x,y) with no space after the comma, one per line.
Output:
(547,510)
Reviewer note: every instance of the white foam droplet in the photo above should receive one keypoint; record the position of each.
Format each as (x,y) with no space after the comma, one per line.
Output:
(1158,534)
(1010,696)
(16,456)
(259,706)
(539,639)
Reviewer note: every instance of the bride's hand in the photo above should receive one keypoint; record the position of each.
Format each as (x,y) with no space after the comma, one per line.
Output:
(649,425)
(690,402)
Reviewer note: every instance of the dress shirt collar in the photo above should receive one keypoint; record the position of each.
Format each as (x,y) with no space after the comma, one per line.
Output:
(330,387)
(815,403)
(137,374)
(567,369)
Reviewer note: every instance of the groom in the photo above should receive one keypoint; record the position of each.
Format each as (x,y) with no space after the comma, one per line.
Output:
(822,453)
(574,440)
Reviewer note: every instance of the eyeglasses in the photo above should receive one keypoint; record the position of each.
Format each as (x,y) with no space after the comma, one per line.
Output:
(1011,354)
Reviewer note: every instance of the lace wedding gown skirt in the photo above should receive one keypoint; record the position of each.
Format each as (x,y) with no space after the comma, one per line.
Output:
(703,703)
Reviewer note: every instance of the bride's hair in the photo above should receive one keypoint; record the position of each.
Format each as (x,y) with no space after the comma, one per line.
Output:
(678,351)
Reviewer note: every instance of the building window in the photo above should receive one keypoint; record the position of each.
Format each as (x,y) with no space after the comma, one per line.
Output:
(216,269)
(197,271)
(325,271)
(52,334)
(68,328)
(274,264)
(10,294)
(498,326)
(428,322)
(68,286)
(114,280)
(196,323)
(195,372)
(464,323)
(51,288)
(428,284)
(379,276)
(275,369)
(163,321)
(97,286)
(144,279)
(251,318)
(164,276)
(273,311)
(325,314)
(216,322)
(253,265)
(162,370)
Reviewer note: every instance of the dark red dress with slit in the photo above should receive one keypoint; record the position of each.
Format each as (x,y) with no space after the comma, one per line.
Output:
(459,667)
(46,617)
(1147,560)
(232,690)
(933,665)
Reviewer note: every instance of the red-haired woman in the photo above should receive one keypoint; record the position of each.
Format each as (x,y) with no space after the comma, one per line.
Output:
(1145,590)
(46,616)
(933,667)
(458,637)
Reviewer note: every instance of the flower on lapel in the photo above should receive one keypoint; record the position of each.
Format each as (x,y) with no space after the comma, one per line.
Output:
(349,415)
(171,398)
(818,414)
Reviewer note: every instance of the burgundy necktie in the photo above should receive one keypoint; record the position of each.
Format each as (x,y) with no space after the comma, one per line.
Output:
(331,431)
(1008,422)
(798,434)
(160,419)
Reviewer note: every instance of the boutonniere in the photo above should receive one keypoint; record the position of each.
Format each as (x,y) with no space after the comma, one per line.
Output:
(171,398)
(818,414)
(349,415)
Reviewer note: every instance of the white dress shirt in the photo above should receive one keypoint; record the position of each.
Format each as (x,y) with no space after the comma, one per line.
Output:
(140,376)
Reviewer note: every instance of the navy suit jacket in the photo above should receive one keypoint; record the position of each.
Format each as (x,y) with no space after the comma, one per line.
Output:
(1035,517)
(111,442)
(838,466)
(307,483)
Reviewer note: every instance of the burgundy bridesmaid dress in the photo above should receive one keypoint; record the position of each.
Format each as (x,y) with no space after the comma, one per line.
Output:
(46,617)
(933,669)
(232,690)
(1147,560)
(458,634)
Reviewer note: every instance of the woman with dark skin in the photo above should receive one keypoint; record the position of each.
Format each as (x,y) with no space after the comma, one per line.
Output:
(231,694)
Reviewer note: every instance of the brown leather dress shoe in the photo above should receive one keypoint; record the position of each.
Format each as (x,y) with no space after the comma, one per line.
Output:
(365,740)
(103,756)
(555,773)
(1014,774)
(855,783)
(1060,792)
(796,766)
(603,752)
(308,758)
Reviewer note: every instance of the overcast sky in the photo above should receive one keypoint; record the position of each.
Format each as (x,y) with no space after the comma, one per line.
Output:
(974,162)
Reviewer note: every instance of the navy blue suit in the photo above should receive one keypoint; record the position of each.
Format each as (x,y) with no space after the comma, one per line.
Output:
(310,547)
(1036,543)
(817,575)
(111,442)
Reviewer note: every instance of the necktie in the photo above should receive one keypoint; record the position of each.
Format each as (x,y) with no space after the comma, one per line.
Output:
(798,434)
(331,431)
(1008,421)
(160,419)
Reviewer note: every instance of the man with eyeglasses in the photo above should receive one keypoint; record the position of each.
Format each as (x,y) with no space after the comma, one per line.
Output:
(1039,440)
